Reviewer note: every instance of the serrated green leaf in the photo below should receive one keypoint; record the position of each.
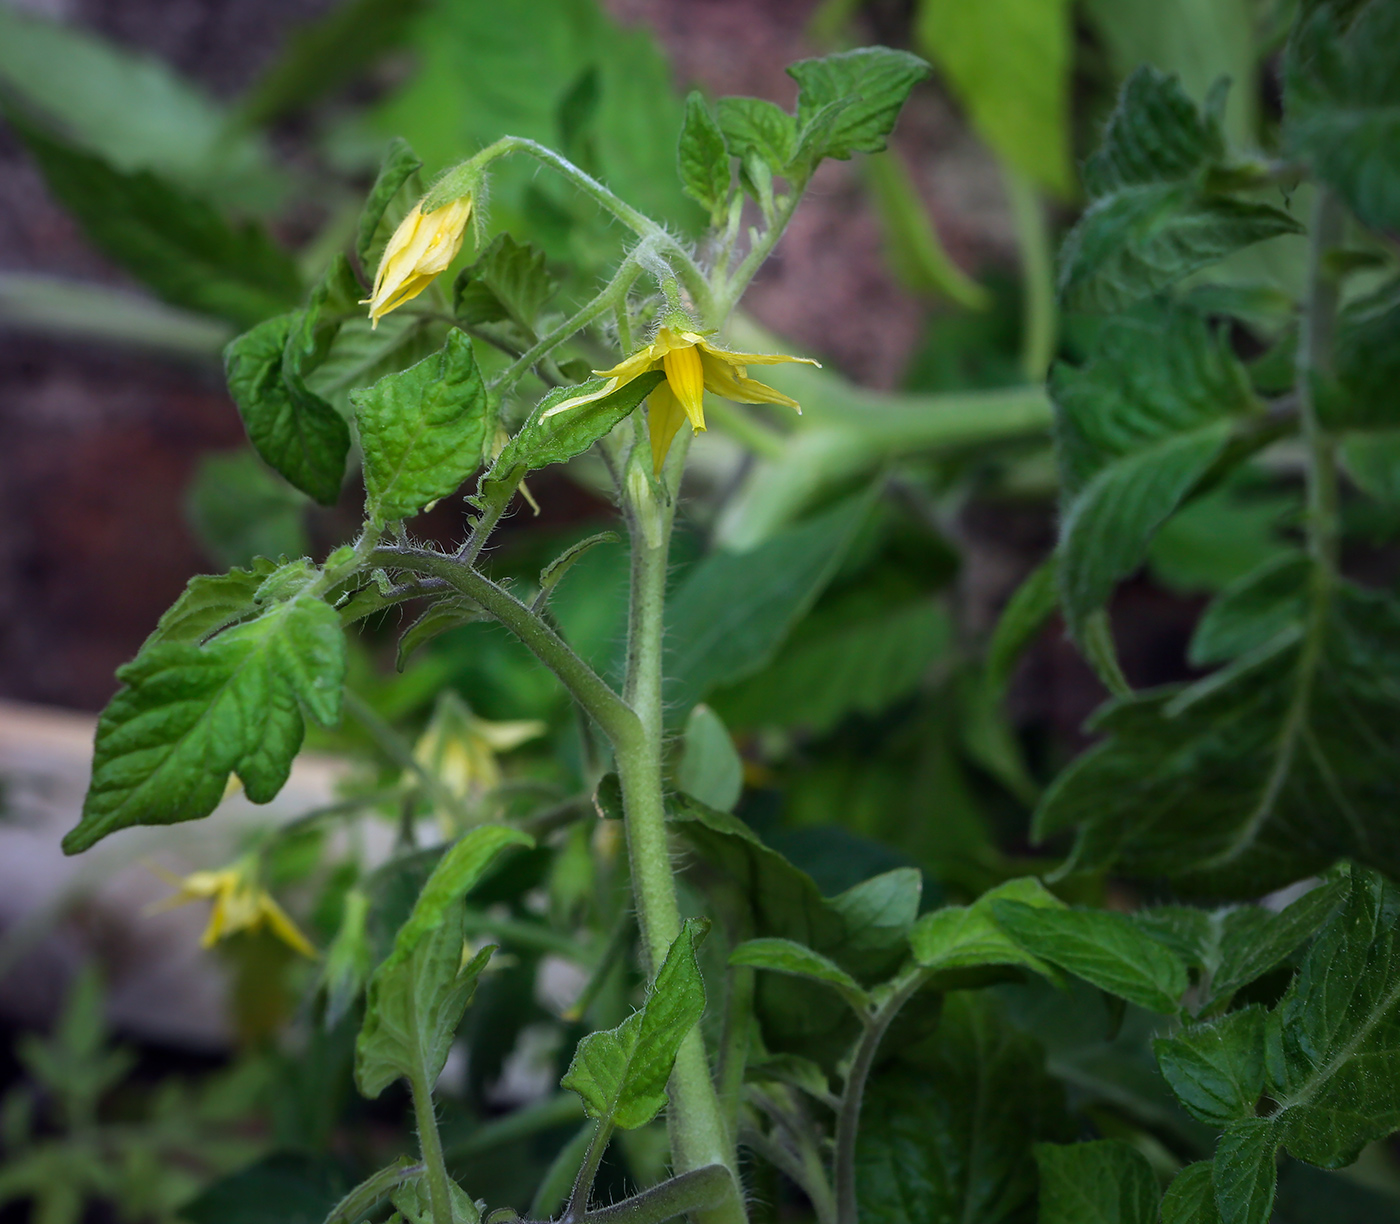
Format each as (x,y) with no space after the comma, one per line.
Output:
(360,354)
(733,610)
(790,1069)
(241,510)
(174,242)
(1102,947)
(1256,776)
(546,439)
(211,602)
(876,80)
(1372,460)
(442,616)
(879,912)
(418,994)
(959,937)
(1217,1069)
(1031,605)
(384,208)
(949,1136)
(703,159)
(295,431)
(1366,364)
(130,109)
(759,127)
(621,1074)
(1008,63)
(1190,1199)
(1342,105)
(710,768)
(423,431)
(785,956)
(1254,940)
(1252,610)
(509,281)
(1153,220)
(1105,1181)
(1246,1175)
(187,716)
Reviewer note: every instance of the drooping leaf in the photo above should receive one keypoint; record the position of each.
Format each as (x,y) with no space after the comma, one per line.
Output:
(423,431)
(1008,62)
(949,1137)
(703,159)
(968,937)
(1342,105)
(444,614)
(621,1074)
(733,610)
(418,994)
(509,281)
(175,242)
(785,956)
(1105,1181)
(1254,777)
(557,438)
(188,715)
(1101,947)
(1217,1069)
(872,82)
(1153,219)
(293,429)
(211,602)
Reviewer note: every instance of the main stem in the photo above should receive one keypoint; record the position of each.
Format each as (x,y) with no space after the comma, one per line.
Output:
(699,1136)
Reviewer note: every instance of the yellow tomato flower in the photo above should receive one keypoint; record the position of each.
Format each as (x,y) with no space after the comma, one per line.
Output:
(460,748)
(419,251)
(240,904)
(692,366)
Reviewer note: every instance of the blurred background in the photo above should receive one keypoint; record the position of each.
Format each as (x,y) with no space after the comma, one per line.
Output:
(141,135)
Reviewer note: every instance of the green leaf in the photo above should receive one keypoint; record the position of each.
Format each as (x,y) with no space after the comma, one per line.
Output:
(1101,947)
(733,610)
(1366,363)
(710,767)
(417,996)
(130,109)
(545,439)
(283,1188)
(1342,105)
(959,937)
(322,55)
(179,245)
(1254,777)
(1217,1069)
(211,602)
(793,1070)
(380,216)
(860,655)
(1252,610)
(949,1137)
(423,431)
(443,615)
(1190,1199)
(1008,63)
(1246,1173)
(186,716)
(240,510)
(508,281)
(1137,427)
(879,913)
(1105,1181)
(1254,940)
(1372,460)
(1153,219)
(361,354)
(293,429)
(621,1074)
(348,961)
(1031,605)
(703,159)
(785,956)
(872,81)
(757,126)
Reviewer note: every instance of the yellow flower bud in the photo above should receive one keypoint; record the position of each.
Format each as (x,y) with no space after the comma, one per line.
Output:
(419,251)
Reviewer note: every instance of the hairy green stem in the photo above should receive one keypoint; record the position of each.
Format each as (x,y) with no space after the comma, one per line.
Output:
(732,284)
(853,1093)
(587,1173)
(430,1144)
(695,1192)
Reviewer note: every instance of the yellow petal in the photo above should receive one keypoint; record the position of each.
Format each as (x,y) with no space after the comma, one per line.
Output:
(747,359)
(420,249)
(733,384)
(284,928)
(503,736)
(686,378)
(664,416)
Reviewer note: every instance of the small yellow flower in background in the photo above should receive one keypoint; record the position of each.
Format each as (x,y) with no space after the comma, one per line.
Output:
(240,904)
(460,748)
(419,251)
(692,366)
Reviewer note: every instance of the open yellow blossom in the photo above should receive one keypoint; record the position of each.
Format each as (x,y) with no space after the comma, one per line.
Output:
(692,366)
(460,748)
(240,904)
(418,252)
